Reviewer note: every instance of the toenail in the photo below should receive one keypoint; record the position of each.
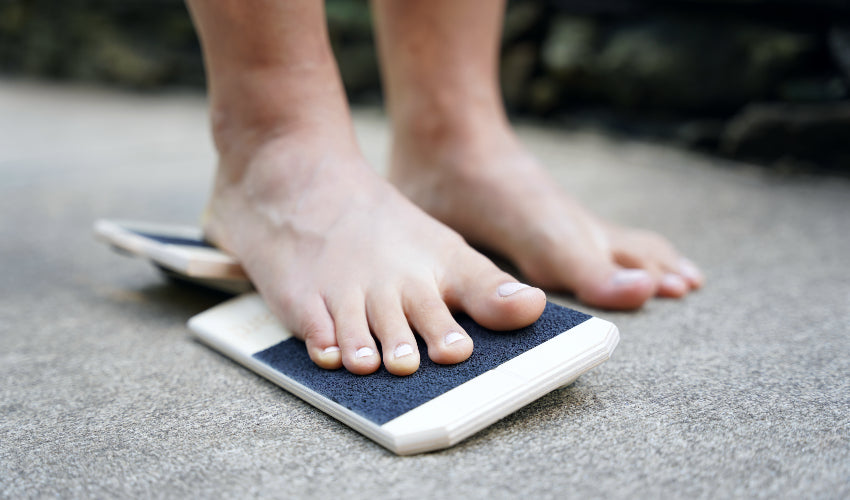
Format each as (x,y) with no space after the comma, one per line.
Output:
(403,350)
(453,337)
(364,352)
(689,270)
(628,276)
(506,289)
(331,349)
(673,281)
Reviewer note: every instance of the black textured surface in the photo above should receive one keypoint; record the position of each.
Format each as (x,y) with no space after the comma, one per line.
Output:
(381,397)
(174,240)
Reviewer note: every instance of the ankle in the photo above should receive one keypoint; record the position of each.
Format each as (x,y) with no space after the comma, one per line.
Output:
(266,103)
(445,119)
(452,140)
(277,178)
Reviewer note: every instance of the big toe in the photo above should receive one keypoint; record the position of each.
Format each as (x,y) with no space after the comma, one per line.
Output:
(493,298)
(615,288)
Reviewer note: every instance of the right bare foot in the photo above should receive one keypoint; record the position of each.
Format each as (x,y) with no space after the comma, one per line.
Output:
(339,256)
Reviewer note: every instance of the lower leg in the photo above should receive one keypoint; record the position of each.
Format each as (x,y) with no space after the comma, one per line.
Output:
(337,253)
(456,156)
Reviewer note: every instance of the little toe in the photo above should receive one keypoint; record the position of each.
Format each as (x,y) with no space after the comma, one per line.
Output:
(493,298)
(447,342)
(358,350)
(389,324)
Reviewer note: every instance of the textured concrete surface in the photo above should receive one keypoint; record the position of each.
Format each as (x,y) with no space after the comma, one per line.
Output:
(740,390)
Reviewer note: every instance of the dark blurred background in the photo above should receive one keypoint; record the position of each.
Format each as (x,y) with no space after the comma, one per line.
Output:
(762,80)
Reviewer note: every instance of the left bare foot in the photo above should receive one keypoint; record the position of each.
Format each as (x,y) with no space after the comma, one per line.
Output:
(484,184)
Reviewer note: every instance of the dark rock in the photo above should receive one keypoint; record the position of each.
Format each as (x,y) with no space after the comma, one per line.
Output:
(518,63)
(620,7)
(633,6)
(358,66)
(130,43)
(817,133)
(544,95)
(700,134)
(813,89)
(569,52)
(521,19)
(839,45)
(352,39)
(349,19)
(689,64)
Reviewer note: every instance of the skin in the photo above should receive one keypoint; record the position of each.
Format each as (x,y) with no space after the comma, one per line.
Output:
(339,255)
(455,155)
(345,258)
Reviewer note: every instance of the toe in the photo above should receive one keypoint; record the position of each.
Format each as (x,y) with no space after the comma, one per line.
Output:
(596,280)
(428,314)
(609,287)
(672,285)
(690,273)
(389,324)
(493,298)
(357,347)
(310,321)
(674,275)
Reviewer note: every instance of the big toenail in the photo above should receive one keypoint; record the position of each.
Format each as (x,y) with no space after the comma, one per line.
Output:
(331,349)
(453,337)
(403,350)
(628,276)
(506,289)
(364,352)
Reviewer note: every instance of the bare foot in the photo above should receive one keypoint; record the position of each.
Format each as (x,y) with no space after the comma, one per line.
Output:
(339,255)
(482,183)
(336,252)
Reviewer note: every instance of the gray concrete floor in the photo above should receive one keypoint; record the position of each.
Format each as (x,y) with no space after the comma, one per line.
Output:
(739,390)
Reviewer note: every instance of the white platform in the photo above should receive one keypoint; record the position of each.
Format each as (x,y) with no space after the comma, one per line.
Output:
(244,326)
